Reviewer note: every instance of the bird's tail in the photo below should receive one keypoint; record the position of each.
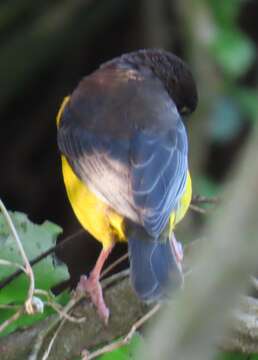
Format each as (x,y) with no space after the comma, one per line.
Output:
(155,271)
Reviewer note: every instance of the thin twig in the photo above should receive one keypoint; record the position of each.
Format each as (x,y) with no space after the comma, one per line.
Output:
(114,278)
(14,317)
(117,344)
(12,264)
(63,314)
(57,307)
(199,199)
(114,264)
(9,306)
(38,343)
(51,343)
(198,209)
(43,334)
(28,269)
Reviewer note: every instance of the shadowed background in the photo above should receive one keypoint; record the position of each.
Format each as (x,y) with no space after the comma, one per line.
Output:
(46,47)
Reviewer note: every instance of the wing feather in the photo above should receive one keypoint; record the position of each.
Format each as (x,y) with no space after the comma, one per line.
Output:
(158,186)
(142,172)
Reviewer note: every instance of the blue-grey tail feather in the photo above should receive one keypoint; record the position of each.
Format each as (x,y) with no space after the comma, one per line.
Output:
(154,269)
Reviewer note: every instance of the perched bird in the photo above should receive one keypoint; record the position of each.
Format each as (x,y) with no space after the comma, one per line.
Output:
(124,151)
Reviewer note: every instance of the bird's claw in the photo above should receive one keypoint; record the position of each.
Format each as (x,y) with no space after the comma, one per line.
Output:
(92,287)
(178,249)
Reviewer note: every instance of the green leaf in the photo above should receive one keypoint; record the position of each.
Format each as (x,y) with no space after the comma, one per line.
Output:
(23,321)
(248,100)
(127,352)
(205,186)
(35,239)
(225,12)
(233,51)
(225,122)
(28,320)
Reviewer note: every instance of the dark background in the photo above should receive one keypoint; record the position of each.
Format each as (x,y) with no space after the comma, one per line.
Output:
(47,46)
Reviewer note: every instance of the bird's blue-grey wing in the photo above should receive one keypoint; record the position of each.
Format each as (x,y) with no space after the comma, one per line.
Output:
(159,172)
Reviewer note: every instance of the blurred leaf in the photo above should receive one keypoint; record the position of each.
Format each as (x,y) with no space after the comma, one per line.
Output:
(35,239)
(233,51)
(23,321)
(235,356)
(225,122)
(205,186)
(225,12)
(127,352)
(248,100)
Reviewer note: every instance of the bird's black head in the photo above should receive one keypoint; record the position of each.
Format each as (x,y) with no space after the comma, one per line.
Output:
(173,72)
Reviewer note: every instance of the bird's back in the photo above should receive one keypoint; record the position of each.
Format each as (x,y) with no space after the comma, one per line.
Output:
(123,137)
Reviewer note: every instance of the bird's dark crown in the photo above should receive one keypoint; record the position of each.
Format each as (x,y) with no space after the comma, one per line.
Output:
(172,71)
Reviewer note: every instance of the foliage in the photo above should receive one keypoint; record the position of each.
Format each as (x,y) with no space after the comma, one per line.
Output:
(126,352)
(236,356)
(35,239)
(205,186)
(234,53)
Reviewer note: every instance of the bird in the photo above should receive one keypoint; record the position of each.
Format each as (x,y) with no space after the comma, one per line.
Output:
(124,155)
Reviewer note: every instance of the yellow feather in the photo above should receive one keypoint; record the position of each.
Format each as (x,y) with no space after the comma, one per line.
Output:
(94,215)
(185,201)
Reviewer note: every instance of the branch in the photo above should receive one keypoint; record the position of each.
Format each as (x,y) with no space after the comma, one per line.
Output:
(125,309)
(199,200)
(126,339)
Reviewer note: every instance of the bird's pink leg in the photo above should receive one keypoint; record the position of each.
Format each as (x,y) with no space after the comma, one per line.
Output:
(177,246)
(91,285)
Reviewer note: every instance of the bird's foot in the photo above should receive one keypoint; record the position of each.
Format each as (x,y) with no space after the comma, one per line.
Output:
(178,249)
(91,286)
